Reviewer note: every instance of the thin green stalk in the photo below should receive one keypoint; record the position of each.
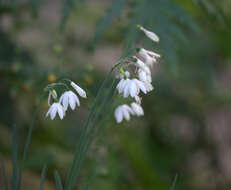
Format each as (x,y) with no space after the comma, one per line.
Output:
(70,177)
(43,176)
(89,181)
(91,128)
(58,181)
(174,182)
(28,141)
(98,126)
(14,159)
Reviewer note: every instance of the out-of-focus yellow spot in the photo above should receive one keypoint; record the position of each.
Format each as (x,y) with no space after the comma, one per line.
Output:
(89,80)
(51,78)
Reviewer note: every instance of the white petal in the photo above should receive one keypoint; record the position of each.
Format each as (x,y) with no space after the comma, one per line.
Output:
(118,115)
(126,89)
(141,86)
(120,86)
(148,86)
(48,112)
(126,107)
(49,98)
(137,109)
(150,35)
(72,102)
(64,100)
(53,113)
(133,89)
(76,99)
(127,74)
(126,114)
(61,112)
(79,90)
(138,99)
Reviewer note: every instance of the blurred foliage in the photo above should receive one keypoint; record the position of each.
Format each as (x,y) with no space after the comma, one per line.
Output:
(175,135)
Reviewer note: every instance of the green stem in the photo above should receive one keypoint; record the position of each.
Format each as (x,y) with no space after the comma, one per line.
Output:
(91,128)
(28,140)
(70,177)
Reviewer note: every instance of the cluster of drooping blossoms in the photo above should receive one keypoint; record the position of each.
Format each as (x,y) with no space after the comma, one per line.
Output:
(68,98)
(131,84)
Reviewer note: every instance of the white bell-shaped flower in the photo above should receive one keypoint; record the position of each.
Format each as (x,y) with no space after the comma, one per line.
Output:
(138,99)
(142,65)
(151,35)
(123,112)
(144,77)
(54,109)
(79,90)
(137,109)
(149,57)
(69,98)
(148,86)
(131,87)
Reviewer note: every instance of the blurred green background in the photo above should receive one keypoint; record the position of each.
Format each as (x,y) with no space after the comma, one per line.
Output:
(186,128)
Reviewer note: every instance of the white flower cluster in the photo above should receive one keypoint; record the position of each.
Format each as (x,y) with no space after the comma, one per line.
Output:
(141,82)
(68,98)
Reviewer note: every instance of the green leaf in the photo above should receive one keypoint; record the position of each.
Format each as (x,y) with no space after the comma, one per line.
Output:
(14,178)
(58,180)
(174,182)
(43,176)
(27,143)
(68,6)
(113,12)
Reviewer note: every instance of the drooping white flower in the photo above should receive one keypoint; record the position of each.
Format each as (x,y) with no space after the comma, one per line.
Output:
(137,109)
(69,98)
(79,90)
(138,99)
(121,85)
(54,109)
(151,35)
(123,112)
(144,77)
(132,87)
(149,57)
(142,65)
(148,86)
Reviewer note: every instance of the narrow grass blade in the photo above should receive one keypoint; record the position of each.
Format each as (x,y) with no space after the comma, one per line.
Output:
(69,5)
(28,140)
(58,181)
(5,180)
(43,176)
(113,12)
(89,181)
(174,182)
(14,178)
